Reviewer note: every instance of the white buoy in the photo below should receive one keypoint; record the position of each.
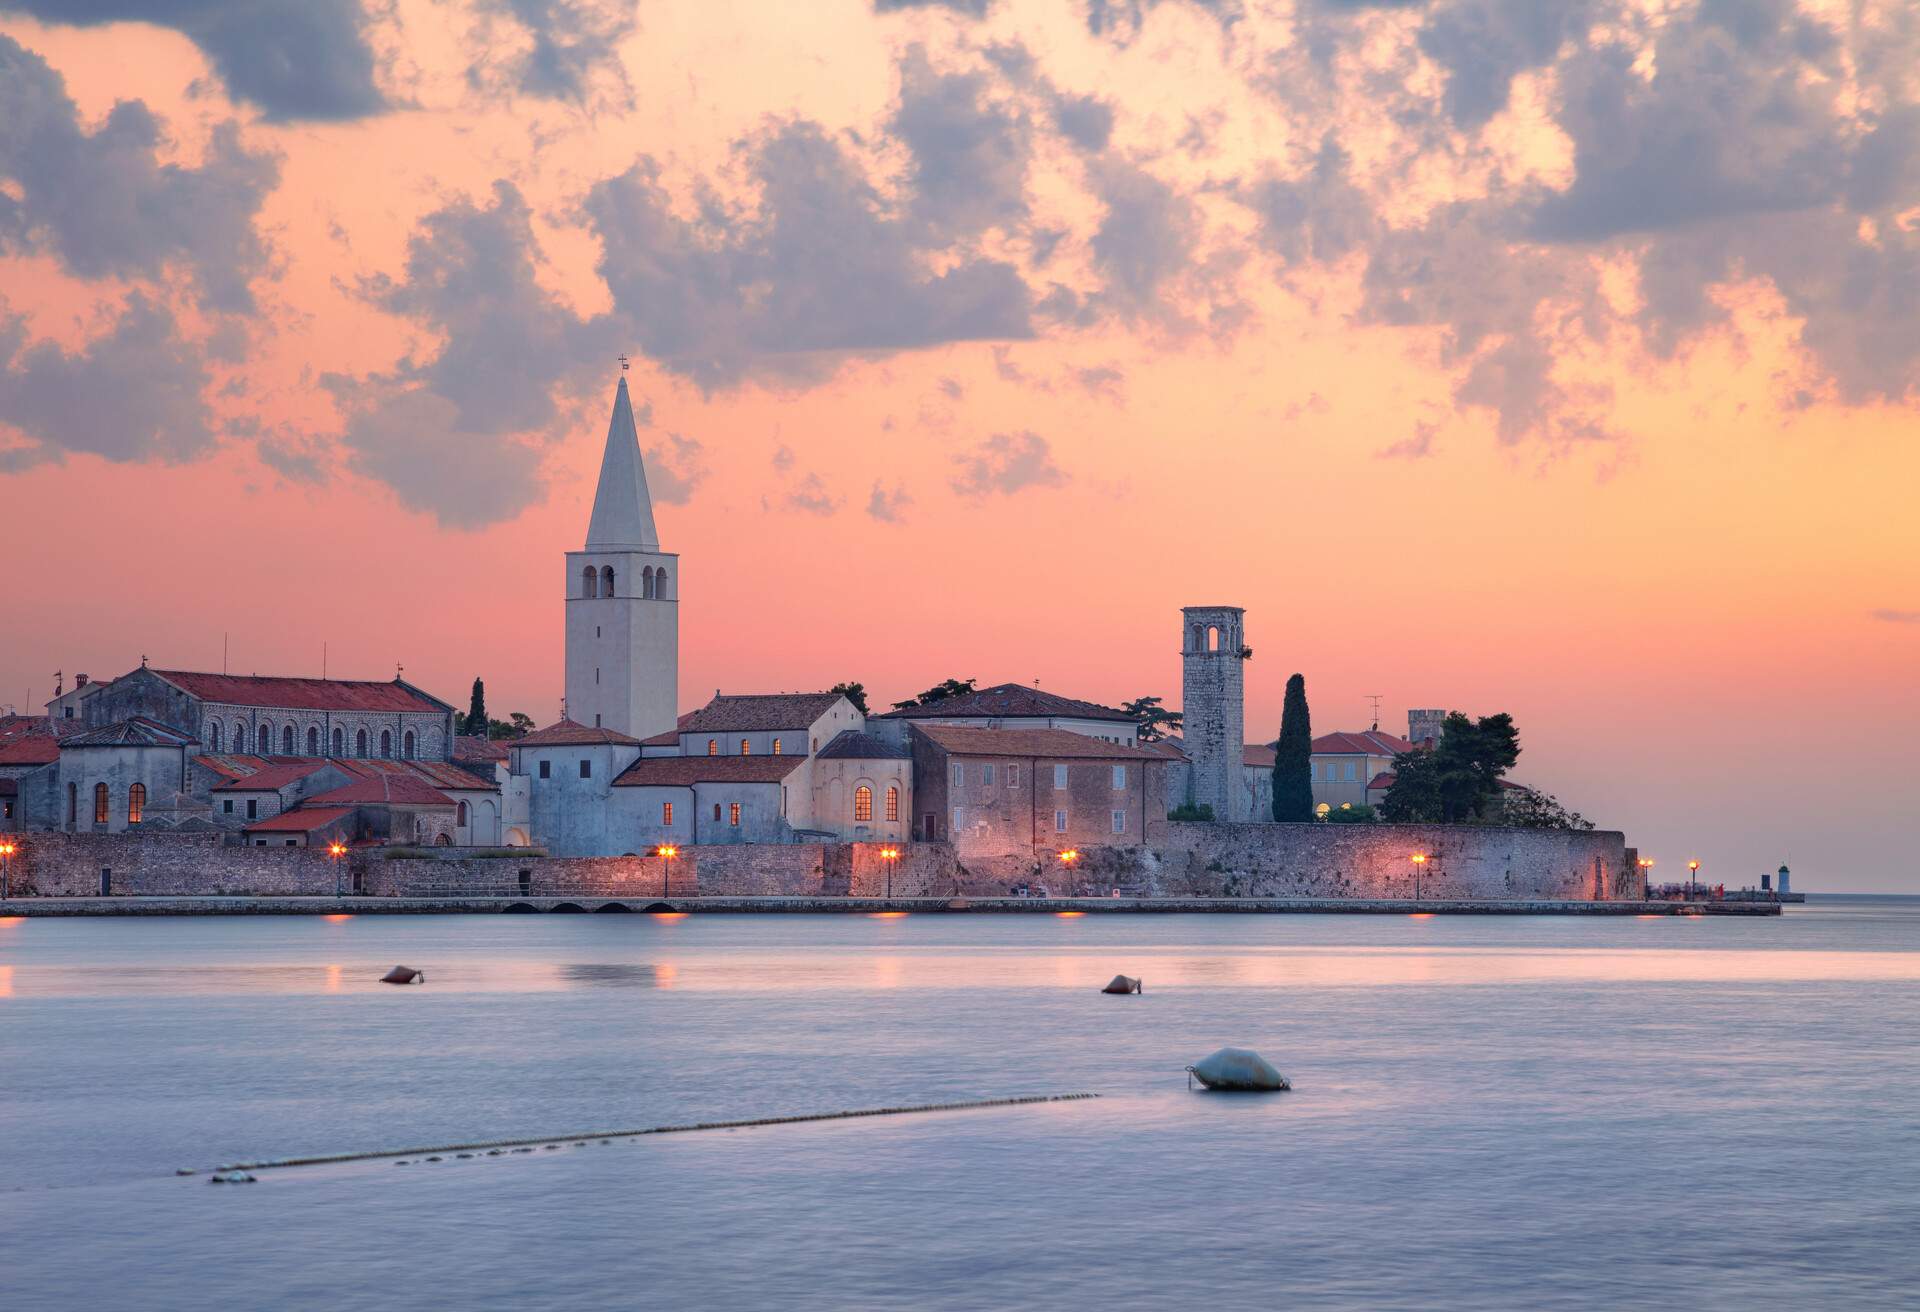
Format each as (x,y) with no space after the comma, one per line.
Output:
(1238,1070)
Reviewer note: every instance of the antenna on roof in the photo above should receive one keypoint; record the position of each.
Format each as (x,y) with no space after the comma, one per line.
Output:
(223,651)
(323,660)
(398,670)
(623,364)
(1374,697)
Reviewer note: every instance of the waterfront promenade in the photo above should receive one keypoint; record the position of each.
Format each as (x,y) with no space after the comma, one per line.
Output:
(602,904)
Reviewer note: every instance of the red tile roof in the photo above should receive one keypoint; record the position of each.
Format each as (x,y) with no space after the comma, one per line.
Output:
(471,747)
(966,740)
(28,740)
(686,771)
(1009,701)
(273,775)
(851,745)
(1254,754)
(438,774)
(758,712)
(1170,748)
(303,694)
(300,820)
(1367,742)
(568,733)
(387,789)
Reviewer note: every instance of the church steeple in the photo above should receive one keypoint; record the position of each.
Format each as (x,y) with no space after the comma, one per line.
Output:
(622,510)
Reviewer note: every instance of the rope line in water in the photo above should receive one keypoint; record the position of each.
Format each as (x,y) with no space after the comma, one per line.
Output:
(328,1159)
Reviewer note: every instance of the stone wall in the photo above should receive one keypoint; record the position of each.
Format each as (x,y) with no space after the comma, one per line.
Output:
(1191,860)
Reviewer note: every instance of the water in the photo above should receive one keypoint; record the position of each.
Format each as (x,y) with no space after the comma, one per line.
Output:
(1489,1112)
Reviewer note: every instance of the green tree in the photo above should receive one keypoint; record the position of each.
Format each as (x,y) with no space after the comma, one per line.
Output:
(518,724)
(1293,757)
(1352,815)
(1155,720)
(1414,796)
(1527,809)
(476,722)
(938,693)
(855,693)
(1457,781)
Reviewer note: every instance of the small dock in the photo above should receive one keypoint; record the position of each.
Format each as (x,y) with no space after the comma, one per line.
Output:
(585,903)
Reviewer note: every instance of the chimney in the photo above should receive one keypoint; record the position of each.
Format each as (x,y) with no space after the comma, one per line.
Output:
(1423,727)
(79,681)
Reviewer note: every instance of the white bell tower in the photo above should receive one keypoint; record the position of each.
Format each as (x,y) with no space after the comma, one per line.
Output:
(623,608)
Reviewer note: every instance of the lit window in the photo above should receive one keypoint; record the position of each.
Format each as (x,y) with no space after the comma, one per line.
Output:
(1060,822)
(136,803)
(746,747)
(1059,776)
(666,813)
(713,749)
(1119,822)
(862,804)
(99,804)
(893,802)
(776,747)
(1119,776)
(733,814)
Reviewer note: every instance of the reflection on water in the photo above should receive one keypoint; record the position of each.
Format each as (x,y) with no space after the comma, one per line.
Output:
(611,974)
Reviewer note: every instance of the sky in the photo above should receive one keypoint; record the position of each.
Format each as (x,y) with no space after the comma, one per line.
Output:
(1559,357)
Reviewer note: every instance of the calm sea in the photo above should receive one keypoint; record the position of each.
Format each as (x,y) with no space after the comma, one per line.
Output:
(1488,1112)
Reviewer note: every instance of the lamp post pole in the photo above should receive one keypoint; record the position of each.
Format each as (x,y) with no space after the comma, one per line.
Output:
(1067,858)
(1419,860)
(666,852)
(1693,878)
(335,851)
(6,868)
(889,855)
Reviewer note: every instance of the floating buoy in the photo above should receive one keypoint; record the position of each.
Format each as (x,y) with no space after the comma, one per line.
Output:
(1123,984)
(230,1177)
(1238,1070)
(404,975)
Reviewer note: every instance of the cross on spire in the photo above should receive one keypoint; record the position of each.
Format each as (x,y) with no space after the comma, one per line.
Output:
(623,364)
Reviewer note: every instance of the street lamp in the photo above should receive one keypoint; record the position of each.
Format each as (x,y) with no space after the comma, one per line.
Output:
(889,855)
(7,849)
(1646,876)
(1419,860)
(1693,877)
(666,852)
(335,851)
(1067,858)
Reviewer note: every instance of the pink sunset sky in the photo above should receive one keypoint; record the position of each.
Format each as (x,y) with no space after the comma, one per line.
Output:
(1559,357)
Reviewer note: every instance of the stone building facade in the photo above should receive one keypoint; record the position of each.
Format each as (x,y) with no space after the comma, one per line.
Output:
(1213,656)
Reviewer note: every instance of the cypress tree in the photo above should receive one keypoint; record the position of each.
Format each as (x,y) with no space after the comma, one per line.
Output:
(1293,758)
(477,711)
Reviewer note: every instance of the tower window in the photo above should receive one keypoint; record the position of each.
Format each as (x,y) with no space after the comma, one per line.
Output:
(606,581)
(713,749)
(589,582)
(646,581)
(1013,776)
(746,747)
(733,814)
(776,747)
(136,803)
(666,813)
(893,802)
(660,583)
(862,804)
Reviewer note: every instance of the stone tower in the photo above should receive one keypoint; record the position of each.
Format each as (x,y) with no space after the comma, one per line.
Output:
(623,617)
(1213,700)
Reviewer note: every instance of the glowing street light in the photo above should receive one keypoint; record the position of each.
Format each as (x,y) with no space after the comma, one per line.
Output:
(889,854)
(7,848)
(666,852)
(1693,877)
(1419,860)
(1067,858)
(335,851)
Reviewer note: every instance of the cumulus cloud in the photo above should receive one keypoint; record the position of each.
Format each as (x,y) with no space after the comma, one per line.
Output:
(814,269)
(134,393)
(969,151)
(556,49)
(968,8)
(675,468)
(294,59)
(1121,20)
(1007,463)
(1102,380)
(412,440)
(889,507)
(812,497)
(104,204)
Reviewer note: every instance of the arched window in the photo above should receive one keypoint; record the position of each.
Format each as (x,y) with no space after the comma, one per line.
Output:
(660,583)
(862,804)
(406,746)
(463,813)
(339,741)
(589,582)
(136,803)
(746,747)
(1196,644)
(360,743)
(776,747)
(606,581)
(713,748)
(100,804)
(286,741)
(386,745)
(313,740)
(219,744)
(1213,637)
(893,802)
(266,739)
(646,581)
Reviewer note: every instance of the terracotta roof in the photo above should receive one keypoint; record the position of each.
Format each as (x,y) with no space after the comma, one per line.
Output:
(137,731)
(472,747)
(1008,701)
(850,745)
(751,712)
(671,738)
(567,733)
(965,740)
(686,771)
(438,774)
(389,789)
(300,820)
(1258,756)
(274,774)
(28,740)
(1368,742)
(302,694)
(1171,748)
